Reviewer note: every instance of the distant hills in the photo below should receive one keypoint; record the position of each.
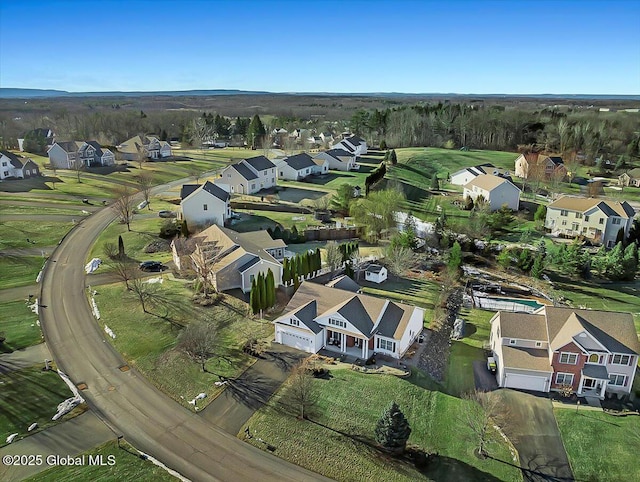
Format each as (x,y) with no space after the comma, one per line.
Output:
(17,93)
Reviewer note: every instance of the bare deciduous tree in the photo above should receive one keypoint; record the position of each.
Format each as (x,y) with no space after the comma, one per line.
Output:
(198,340)
(78,166)
(302,395)
(145,292)
(125,270)
(123,205)
(203,260)
(399,259)
(145,183)
(333,255)
(482,411)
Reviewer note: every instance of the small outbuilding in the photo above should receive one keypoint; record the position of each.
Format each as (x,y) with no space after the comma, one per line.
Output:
(375,273)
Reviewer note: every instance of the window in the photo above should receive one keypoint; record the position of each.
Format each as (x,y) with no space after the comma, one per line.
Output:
(205,207)
(564,212)
(273,179)
(616,221)
(6,173)
(340,323)
(594,358)
(538,344)
(294,322)
(4,164)
(601,221)
(253,186)
(387,345)
(586,219)
(512,341)
(569,358)
(621,359)
(564,378)
(564,223)
(229,176)
(617,380)
(578,215)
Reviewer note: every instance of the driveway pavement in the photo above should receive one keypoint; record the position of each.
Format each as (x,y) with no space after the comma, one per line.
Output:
(72,437)
(533,430)
(250,391)
(484,379)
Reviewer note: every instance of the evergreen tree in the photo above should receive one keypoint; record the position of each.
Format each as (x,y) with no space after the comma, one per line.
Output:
(318,260)
(393,158)
(537,270)
(254,296)
(184,229)
(262,295)
(121,252)
(393,430)
(256,131)
(615,269)
(270,289)
(541,214)
(304,264)
(295,236)
(630,262)
(455,258)
(504,259)
(348,270)
(383,145)
(286,273)
(435,183)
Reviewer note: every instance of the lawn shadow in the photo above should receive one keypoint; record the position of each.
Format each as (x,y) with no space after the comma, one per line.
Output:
(26,185)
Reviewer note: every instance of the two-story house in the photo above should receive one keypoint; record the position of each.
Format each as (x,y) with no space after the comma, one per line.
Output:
(345,322)
(64,155)
(598,220)
(17,167)
(41,137)
(300,166)
(147,146)
(496,191)
(542,165)
(591,352)
(204,205)
(354,145)
(468,174)
(338,159)
(248,176)
(234,259)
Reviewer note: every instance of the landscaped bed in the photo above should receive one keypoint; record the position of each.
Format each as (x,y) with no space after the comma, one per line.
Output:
(339,442)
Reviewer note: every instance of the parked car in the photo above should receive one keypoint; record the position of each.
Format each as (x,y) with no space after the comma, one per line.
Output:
(152,266)
(166,214)
(491,364)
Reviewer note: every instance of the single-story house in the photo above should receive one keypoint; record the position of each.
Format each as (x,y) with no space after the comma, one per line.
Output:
(248,176)
(598,220)
(338,159)
(319,317)
(13,166)
(64,155)
(235,259)
(203,205)
(295,168)
(375,273)
(496,191)
(148,146)
(591,352)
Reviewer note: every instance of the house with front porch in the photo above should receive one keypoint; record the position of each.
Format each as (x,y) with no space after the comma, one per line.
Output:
(13,166)
(347,323)
(65,155)
(592,353)
(598,220)
(149,147)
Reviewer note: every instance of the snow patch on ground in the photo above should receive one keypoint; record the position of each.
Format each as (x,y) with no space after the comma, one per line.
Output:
(11,437)
(93,265)
(109,332)
(94,308)
(155,280)
(70,403)
(34,307)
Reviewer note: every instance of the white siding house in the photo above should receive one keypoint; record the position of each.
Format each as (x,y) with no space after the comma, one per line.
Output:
(375,273)
(248,176)
(338,159)
(496,191)
(17,167)
(204,205)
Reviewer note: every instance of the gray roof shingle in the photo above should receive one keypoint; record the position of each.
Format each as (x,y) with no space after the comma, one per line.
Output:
(260,163)
(300,161)
(244,171)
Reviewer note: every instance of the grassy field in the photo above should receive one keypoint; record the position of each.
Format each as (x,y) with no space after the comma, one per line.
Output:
(339,444)
(459,377)
(27,396)
(149,342)
(600,446)
(8,208)
(19,271)
(41,233)
(128,466)
(19,325)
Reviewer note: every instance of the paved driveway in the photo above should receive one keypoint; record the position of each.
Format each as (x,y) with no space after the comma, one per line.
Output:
(533,430)
(484,379)
(243,396)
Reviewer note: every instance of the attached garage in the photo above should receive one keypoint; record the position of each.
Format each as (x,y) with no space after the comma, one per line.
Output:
(297,340)
(534,381)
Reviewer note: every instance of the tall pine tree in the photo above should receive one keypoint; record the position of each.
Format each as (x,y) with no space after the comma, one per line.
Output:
(392,430)
(254,297)
(270,289)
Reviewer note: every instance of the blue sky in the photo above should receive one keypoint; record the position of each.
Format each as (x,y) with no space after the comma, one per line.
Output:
(513,47)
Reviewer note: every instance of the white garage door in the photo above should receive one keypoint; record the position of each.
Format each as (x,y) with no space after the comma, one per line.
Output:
(300,342)
(526,382)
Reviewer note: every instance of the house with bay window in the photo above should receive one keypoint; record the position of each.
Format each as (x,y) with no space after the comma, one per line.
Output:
(594,353)
(347,323)
(599,220)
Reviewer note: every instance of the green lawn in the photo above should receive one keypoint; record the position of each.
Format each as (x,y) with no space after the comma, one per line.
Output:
(149,342)
(600,446)
(27,396)
(7,208)
(44,233)
(19,271)
(339,444)
(127,466)
(19,325)
(459,377)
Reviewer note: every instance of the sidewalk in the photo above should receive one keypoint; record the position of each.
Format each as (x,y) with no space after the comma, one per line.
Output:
(72,438)
(24,358)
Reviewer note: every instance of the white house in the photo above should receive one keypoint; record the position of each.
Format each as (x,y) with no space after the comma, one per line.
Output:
(496,191)
(354,145)
(148,146)
(468,174)
(338,159)
(375,273)
(234,259)
(17,167)
(248,176)
(295,168)
(64,155)
(591,352)
(347,323)
(204,204)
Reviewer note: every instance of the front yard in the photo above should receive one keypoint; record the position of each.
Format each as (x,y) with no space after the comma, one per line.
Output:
(600,446)
(338,443)
(19,325)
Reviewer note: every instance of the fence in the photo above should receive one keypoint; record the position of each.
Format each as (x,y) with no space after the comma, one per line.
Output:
(499,305)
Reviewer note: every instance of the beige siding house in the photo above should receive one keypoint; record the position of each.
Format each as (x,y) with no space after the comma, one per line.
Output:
(148,146)
(598,220)
(248,176)
(496,191)
(547,166)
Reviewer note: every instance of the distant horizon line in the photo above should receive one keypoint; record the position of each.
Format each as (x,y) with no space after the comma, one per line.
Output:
(51,92)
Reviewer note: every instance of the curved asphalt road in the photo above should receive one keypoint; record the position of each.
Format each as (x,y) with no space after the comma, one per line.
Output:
(126,401)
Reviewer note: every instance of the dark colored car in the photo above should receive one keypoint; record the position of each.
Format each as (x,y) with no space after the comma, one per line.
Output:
(166,214)
(151,266)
